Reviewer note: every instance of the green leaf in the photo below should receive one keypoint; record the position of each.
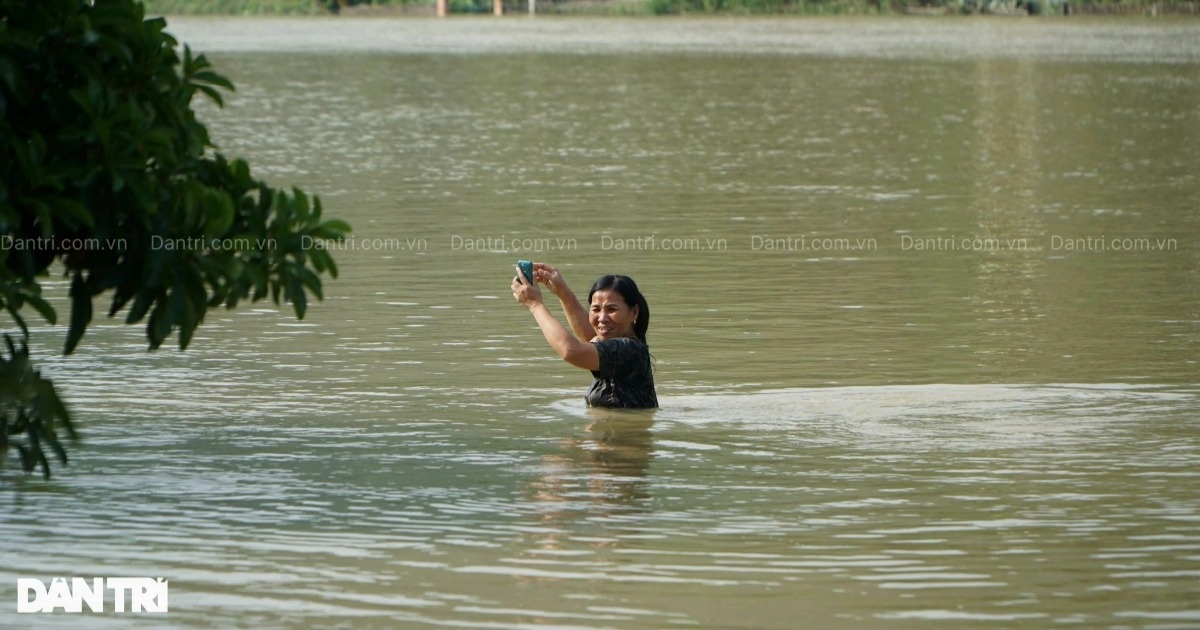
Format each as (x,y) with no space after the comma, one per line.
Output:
(259,282)
(59,451)
(300,201)
(13,312)
(212,94)
(219,210)
(27,460)
(189,283)
(208,76)
(54,408)
(299,301)
(310,280)
(81,312)
(177,306)
(43,307)
(331,264)
(334,229)
(320,259)
(75,213)
(44,218)
(159,325)
(241,173)
(145,299)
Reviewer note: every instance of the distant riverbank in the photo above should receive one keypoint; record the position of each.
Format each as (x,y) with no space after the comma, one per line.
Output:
(670,7)
(887,38)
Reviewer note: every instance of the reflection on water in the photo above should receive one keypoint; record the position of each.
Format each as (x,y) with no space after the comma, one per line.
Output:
(608,464)
(413,455)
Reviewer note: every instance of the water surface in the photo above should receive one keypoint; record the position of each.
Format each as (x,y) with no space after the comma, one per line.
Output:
(911,374)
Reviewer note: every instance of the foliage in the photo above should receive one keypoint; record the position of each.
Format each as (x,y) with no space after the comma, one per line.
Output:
(470,6)
(106,172)
(261,7)
(30,407)
(662,7)
(235,7)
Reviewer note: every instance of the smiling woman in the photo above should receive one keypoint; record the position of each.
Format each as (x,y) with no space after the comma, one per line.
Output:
(608,337)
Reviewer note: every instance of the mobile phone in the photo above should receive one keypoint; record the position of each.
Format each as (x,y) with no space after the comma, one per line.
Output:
(526,267)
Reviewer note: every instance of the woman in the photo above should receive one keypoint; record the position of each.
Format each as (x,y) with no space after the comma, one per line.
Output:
(614,327)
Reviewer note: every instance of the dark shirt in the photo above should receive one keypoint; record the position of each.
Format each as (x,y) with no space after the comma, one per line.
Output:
(625,378)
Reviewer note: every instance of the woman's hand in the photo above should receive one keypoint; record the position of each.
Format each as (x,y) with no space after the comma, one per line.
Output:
(577,315)
(526,292)
(550,277)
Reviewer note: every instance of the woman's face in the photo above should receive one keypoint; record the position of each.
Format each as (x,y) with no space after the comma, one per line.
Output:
(610,316)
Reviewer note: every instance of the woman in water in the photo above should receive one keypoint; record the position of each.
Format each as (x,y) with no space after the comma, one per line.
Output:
(609,336)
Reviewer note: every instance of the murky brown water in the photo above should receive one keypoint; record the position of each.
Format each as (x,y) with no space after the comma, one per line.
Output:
(926,304)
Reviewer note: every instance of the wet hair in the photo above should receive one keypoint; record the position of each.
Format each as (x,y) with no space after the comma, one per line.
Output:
(633,297)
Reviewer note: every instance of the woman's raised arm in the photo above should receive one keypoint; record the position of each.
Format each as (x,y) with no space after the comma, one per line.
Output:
(580,353)
(577,315)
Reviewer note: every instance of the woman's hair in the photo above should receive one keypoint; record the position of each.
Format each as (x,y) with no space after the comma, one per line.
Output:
(633,297)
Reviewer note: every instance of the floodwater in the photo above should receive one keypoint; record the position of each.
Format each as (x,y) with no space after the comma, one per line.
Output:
(926,319)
